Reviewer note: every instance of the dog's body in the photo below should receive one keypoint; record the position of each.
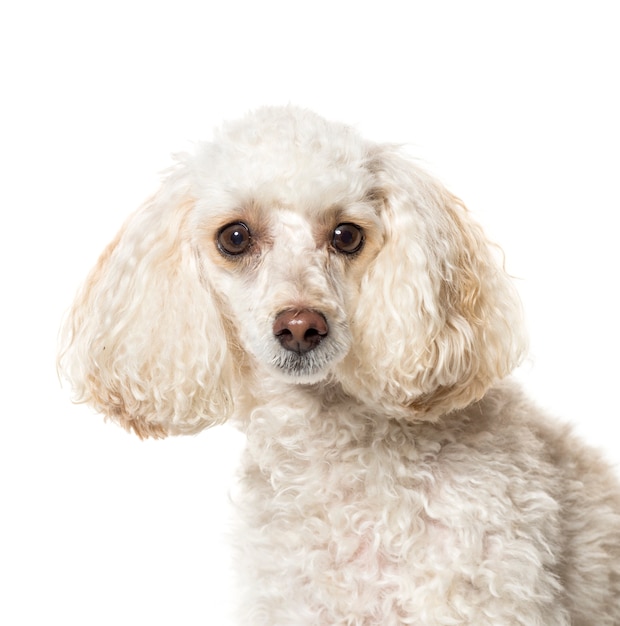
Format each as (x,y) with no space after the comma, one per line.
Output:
(489,516)
(343,309)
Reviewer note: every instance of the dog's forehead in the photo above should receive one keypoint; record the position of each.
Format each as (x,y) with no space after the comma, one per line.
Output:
(297,163)
(290,228)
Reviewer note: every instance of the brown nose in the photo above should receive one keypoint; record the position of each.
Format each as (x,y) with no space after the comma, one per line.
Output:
(300,331)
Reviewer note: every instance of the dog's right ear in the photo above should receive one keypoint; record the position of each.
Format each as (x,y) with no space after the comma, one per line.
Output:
(144,342)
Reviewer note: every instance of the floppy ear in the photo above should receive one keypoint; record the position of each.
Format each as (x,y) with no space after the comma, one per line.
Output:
(144,342)
(449,323)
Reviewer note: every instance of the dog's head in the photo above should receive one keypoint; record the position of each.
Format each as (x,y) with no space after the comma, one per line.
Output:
(290,250)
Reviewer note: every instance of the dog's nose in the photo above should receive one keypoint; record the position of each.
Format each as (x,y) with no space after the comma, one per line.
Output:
(300,331)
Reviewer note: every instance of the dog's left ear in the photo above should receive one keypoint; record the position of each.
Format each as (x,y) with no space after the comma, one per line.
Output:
(438,320)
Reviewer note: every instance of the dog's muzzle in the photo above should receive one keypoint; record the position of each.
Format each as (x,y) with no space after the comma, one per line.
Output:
(307,347)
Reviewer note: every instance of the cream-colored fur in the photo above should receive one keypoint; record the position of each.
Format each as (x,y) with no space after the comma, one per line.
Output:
(390,477)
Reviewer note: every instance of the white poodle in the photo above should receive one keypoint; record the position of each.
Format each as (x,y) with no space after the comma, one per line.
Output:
(345,312)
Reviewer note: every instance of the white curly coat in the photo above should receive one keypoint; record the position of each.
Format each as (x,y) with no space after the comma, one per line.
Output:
(390,477)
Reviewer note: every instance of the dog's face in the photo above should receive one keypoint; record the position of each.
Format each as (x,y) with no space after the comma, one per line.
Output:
(291,249)
(285,246)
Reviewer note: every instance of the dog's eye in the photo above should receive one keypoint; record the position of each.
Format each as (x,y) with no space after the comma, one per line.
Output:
(234,239)
(348,238)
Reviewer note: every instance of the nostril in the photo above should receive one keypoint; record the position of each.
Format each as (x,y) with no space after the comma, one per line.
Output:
(311,332)
(300,331)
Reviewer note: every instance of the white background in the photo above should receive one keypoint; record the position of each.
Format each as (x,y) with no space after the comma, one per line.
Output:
(515,105)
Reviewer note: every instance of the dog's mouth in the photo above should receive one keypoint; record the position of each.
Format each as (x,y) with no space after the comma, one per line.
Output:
(307,367)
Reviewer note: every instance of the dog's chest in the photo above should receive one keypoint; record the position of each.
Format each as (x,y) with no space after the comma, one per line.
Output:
(350,481)
(410,512)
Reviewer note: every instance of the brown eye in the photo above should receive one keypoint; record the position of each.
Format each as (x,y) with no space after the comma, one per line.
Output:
(234,239)
(348,238)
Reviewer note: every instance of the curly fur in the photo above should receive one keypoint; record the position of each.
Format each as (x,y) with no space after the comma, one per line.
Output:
(390,476)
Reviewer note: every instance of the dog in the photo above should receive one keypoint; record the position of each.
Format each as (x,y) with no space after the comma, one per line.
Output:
(343,309)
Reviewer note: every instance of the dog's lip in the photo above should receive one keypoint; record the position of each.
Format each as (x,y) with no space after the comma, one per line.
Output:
(297,363)
(309,366)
